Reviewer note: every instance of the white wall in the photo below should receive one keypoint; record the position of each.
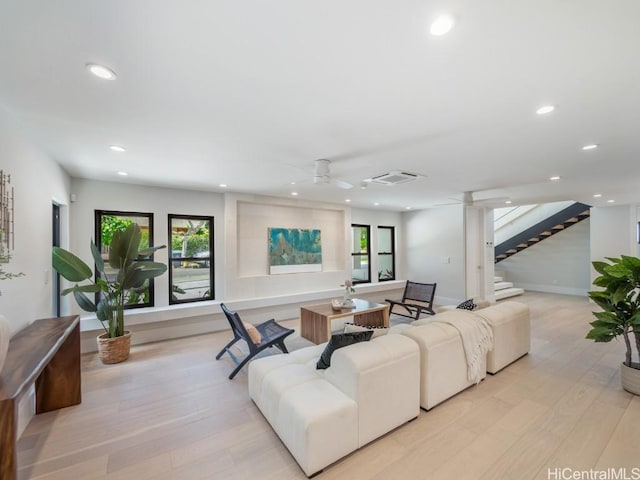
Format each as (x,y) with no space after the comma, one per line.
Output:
(434,250)
(93,195)
(377,218)
(558,264)
(613,232)
(38,181)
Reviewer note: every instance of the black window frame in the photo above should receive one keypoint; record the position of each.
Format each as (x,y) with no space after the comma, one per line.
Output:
(98,241)
(359,253)
(173,259)
(392,253)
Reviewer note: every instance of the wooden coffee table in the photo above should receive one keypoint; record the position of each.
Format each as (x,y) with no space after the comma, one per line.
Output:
(315,320)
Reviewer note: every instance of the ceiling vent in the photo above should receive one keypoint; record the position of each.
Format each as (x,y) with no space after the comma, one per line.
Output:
(393,178)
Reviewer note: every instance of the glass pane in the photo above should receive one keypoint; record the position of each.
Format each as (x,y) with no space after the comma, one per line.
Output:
(385,240)
(360,268)
(191,281)
(360,239)
(385,267)
(110,223)
(191,259)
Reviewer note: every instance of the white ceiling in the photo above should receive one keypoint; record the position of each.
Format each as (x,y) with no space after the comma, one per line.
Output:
(250,93)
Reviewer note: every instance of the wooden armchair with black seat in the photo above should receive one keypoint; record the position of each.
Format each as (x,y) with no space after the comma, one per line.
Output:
(416,299)
(258,337)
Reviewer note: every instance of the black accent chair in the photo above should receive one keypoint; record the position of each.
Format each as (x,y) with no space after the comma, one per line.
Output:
(272,334)
(416,299)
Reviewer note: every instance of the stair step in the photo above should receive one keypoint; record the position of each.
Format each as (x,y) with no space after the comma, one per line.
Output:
(512,250)
(534,239)
(586,213)
(558,227)
(522,245)
(508,292)
(498,279)
(546,234)
(572,220)
(502,285)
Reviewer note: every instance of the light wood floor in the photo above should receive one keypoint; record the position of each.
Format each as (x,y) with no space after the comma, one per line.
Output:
(171,413)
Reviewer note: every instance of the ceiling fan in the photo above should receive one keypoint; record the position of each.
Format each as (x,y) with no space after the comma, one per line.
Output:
(468,200)
(322,175)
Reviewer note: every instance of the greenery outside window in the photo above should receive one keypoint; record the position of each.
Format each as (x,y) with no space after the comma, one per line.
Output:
(386,254)
(191,265)
(360,254)
(107,222)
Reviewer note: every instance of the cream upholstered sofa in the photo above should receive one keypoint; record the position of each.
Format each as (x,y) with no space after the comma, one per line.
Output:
(443,365)
(322,415)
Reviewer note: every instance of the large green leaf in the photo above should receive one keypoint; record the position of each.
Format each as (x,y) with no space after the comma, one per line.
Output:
(141,271)
(69,265)
(631,263)
(97,258)
(84,302)
(147,252)
(124,247)
(90,288)
(617,270)
(599,267)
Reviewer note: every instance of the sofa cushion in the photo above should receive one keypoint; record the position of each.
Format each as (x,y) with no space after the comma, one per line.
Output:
(340,340)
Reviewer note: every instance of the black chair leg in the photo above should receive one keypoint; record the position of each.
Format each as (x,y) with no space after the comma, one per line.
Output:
(239,367)
(225,348)
(283,347)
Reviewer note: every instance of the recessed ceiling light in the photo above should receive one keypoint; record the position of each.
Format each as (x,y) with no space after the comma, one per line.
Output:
(592,146)
(545,109)
(117,148)
(294,194)
(123,174)
(376,204)
(597,195)
(407,208)
(347,200)
(555,178)
(442,25)
(508,202)
(611,201)
(101,71)
(223,185)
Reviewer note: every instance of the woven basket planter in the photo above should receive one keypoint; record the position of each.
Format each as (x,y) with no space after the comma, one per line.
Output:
(631,379)
(114,350)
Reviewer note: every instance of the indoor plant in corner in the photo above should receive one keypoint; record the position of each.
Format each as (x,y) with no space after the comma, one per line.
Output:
(620,302)
(133,270)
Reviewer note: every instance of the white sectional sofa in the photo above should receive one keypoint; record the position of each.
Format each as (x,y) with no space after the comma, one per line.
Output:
(322,415)
(442,357)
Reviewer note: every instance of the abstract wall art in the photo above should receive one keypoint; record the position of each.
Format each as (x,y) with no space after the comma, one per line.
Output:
(294,250)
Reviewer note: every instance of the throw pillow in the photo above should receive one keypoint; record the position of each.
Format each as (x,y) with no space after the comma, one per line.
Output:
(377,330)
(467,305)
(340,340)
(253,332)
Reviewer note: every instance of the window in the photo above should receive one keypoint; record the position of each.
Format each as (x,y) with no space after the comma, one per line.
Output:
(386,254)
(191,269)
(107,223)
(360,254)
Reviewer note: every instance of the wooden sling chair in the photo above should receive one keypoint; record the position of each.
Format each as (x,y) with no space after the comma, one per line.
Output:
(416,299)
(269,334)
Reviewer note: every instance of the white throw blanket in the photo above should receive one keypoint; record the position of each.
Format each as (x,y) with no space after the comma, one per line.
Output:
(477,340)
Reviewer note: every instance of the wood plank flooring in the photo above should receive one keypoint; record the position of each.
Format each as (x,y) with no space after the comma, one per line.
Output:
(170,413)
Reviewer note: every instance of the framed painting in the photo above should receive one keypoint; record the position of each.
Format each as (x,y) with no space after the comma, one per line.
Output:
(294,250)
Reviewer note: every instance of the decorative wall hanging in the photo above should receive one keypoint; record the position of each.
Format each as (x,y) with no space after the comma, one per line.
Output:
(6,216)
(294,250)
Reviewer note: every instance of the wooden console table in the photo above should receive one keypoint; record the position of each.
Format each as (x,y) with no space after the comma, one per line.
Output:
(315,320)
(46,353)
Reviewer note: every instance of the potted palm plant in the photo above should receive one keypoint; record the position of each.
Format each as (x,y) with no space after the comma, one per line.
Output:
(620,315)
(131,271)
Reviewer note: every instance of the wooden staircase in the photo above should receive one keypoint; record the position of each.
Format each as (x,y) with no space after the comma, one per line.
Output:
(542,230)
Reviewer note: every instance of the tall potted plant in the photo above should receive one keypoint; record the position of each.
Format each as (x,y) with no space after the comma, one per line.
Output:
(620,315)
(132,271)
